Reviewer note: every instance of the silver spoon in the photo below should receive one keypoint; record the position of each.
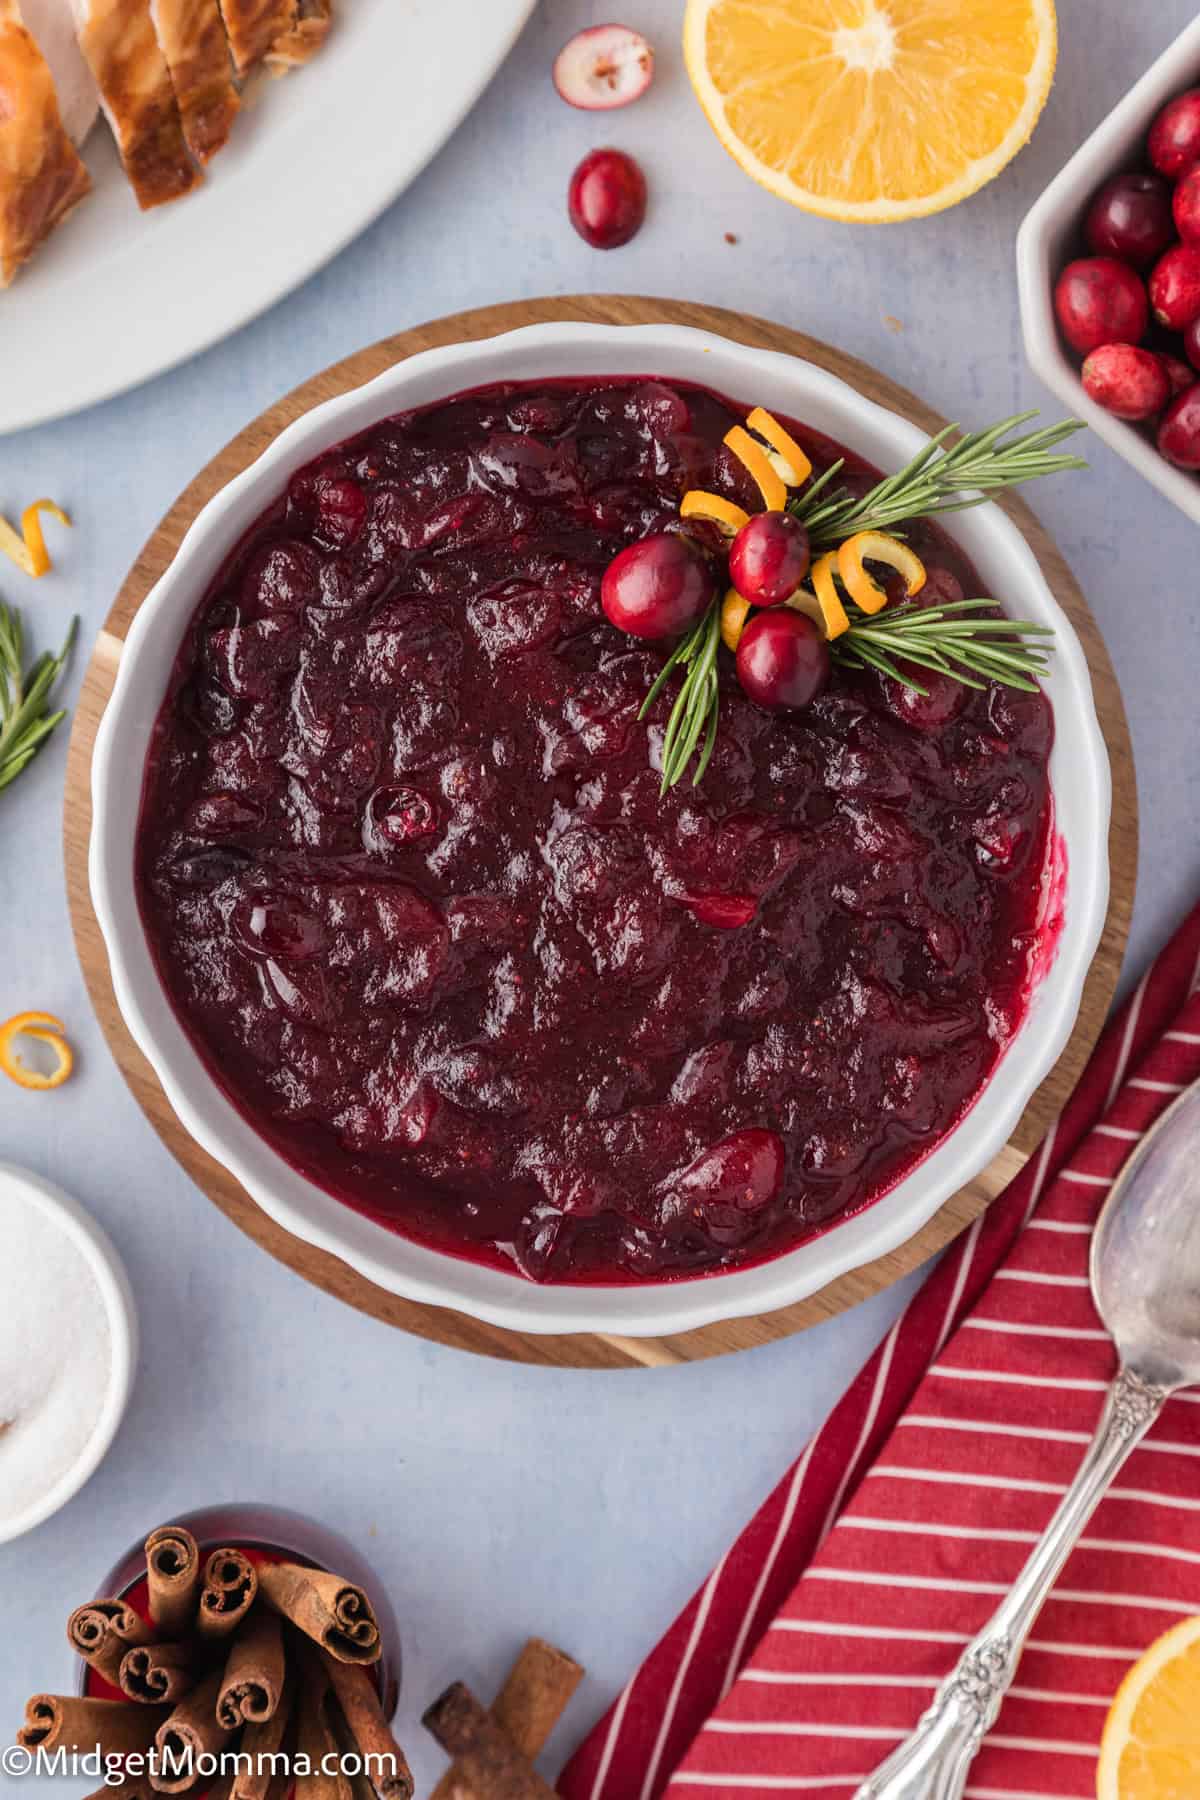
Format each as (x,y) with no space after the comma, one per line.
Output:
(1146,1285)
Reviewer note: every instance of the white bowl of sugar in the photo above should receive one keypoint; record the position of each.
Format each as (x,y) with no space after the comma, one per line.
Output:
(68,1347)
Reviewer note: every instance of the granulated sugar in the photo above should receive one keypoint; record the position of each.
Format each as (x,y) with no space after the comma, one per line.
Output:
(55,1355)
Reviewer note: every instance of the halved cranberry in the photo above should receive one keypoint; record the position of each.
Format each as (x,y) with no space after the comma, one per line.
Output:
(603,67)
(769,558)
(607,199)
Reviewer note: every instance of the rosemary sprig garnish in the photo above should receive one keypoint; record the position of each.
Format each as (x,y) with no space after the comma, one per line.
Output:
(950,640)
(698,702)
(938,480)
(25,723)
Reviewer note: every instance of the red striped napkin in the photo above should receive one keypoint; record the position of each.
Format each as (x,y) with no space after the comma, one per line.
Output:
(816,1643)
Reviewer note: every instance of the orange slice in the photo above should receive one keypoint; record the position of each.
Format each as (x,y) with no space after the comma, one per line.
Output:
(1151,1744)
(872,110)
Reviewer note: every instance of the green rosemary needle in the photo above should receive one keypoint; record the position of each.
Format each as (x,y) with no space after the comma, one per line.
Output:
(938,479)
(25,723)
(951,639)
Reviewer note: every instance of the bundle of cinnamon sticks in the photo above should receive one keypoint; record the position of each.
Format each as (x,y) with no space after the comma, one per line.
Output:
(265,1666)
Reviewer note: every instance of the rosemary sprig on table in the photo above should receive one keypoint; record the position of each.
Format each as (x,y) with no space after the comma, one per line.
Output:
(939,479)
(946,638)
(25,723)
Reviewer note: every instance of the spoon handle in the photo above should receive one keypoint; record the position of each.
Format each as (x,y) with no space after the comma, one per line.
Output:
(934,1762)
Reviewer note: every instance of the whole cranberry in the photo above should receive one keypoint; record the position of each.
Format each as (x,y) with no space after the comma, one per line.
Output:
(607,199)
(658,588)
(782,659)
(1185,207)
(769,558)
(1178,373)
(1174,141)
(1175,286)
(1179,432)
(1126,380)
(1099,300)
(1130,218)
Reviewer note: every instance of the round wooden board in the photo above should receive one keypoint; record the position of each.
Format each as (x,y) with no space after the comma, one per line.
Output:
(327,1271)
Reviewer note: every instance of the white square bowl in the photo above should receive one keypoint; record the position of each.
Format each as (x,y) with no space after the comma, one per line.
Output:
(1045,243)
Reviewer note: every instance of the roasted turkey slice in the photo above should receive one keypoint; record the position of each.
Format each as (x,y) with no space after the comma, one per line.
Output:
(41,175)
(252,26)
(192,40)
(121,46)
(307,32)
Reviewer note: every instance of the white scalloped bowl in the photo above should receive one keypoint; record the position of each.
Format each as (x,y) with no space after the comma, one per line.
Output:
(1079,773)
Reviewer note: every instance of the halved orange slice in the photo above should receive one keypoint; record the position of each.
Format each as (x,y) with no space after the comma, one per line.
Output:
(873,110)
(1151,1744)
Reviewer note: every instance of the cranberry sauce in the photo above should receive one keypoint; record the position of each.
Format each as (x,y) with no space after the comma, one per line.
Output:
(414,894)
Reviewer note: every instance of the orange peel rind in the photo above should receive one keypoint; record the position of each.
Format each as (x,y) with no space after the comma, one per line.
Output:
(754,458)
(714,509)
(47,1030)
(27,547)
(734,609)
(876,546)
(783,452)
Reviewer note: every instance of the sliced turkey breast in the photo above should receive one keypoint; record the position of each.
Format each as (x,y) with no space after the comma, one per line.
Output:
(118,39)
(52,24)
(41,175)
(252,27)
(192,40)
(304,36)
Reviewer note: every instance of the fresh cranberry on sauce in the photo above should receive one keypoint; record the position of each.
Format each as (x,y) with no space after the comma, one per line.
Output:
(1130,218)
(607,199)
(769,558)
(1099,300)
(782,660)
(658,588)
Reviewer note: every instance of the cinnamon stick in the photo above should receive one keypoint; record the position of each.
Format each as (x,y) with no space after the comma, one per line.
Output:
(188,1733)
(371,1734)
(173,1575)
(254,1673)
(529,1705)
(102,1632)
(256,1778)
(229,1591)
(153,1673)
(334,1613)
(66,1722)
(315,1737)
(488,1764)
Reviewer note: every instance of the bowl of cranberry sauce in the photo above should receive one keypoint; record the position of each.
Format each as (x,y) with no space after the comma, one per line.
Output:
(422,955)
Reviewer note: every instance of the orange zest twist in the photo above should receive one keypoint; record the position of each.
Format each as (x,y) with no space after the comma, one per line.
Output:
(784,453)
(714,509)
(754,458)
(47,1030)
(833,615)
(733,618)
(878,547)
(27,547)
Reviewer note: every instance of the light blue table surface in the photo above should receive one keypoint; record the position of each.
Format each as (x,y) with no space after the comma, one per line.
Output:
(499,1501)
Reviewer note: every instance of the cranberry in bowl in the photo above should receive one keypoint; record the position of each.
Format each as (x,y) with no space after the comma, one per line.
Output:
(533,1043)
